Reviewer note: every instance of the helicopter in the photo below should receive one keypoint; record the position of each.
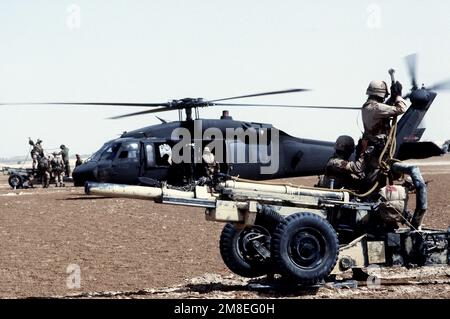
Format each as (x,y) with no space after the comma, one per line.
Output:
(146,155)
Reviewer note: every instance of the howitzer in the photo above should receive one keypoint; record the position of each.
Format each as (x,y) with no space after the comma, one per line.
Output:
(303,233)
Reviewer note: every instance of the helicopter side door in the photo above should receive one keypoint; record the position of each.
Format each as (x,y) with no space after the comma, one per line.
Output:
(156,164)
(126,164)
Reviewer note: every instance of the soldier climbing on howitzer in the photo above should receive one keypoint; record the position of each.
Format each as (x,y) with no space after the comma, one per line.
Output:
(378,145)
(37,151)
(379,132)
(374,170)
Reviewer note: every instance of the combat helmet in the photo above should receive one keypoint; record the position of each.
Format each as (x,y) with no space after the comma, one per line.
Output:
(345,144)
(378,88)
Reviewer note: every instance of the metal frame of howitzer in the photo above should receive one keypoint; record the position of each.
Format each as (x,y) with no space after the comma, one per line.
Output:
(240,203)
(26,177)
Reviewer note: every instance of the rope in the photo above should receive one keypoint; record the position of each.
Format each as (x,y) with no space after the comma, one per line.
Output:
(389,147)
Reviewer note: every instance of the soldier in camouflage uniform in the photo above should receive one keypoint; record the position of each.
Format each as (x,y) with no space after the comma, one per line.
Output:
(377,117)
(340,172)
(78,161)
(65,157)
(44,168)
(57,166)
(36,152)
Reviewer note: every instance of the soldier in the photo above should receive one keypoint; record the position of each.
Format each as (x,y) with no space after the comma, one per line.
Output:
(377,117)
(339,171)
(36,152)
(211,167)
(78,161)
(43,168)
(57,166)
(65,157)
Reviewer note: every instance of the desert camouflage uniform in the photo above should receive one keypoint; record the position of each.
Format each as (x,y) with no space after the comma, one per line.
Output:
(65,157)
(44,171)
(376,117)
(57,170)
(36,152)
(341,173)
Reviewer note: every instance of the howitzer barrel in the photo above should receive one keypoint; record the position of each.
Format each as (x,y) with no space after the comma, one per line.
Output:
(285,189)
(137,192)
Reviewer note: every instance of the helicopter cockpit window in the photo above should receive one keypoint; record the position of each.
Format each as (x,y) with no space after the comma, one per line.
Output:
(129,151)
(110,152)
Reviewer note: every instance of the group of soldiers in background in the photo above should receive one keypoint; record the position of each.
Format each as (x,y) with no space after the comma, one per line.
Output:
(55,165)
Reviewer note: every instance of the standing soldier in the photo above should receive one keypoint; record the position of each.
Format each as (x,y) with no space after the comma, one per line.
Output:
(65,158)
(78,161)
(36,152)
(44,170)
(377,117)
(57,166)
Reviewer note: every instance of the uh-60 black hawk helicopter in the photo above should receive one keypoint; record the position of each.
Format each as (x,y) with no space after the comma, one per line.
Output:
(145,155)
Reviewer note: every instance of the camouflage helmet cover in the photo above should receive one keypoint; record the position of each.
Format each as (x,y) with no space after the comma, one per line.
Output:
(378,88)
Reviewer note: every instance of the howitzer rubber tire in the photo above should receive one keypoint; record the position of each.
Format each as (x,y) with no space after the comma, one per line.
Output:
(305,248)
(15,181)
(233,257)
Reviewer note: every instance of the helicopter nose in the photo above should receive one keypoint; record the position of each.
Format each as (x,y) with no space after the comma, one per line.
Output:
(85,172)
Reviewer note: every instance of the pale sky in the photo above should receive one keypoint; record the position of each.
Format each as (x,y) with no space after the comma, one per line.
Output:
(154,51)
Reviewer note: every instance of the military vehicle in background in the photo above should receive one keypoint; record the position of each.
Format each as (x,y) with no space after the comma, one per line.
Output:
(26,177)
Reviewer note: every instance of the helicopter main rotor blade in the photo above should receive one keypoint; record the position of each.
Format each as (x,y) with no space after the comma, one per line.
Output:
(259,94)
(93,103)
(443,85)
(162,109)
(293,106)
(411,63)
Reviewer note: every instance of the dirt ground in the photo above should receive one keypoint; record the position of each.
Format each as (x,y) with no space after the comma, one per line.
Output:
(134,248)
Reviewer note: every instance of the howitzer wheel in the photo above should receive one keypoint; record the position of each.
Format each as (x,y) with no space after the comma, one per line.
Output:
(238,251)
(305,248)
(15,181)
